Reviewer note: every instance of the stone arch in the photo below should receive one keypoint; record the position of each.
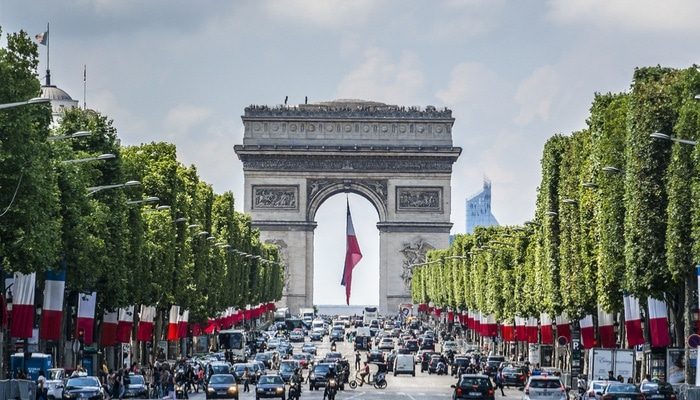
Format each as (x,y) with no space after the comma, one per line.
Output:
(321,190)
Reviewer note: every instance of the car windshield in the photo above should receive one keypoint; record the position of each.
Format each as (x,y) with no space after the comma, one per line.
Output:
(545,384)
(81,382)
(321,369)
(239,368)
(622,388)
(474,381)
(657,388)
(599,385)
(299,357)
(262,357)
(271,380)
(136,380)
(55,374)
(510,370)
(222,379)
(219,369)
(287,367)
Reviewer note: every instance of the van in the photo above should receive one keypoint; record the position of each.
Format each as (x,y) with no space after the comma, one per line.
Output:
(404,364)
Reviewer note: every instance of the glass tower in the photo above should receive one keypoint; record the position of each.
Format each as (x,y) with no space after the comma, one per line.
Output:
(479,209)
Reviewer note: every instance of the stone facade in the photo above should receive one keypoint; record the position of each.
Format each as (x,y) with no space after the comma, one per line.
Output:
(400,159)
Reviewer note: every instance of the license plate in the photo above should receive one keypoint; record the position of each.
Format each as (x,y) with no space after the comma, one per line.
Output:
(625,398)
(221,392)
(658,396)
(475,393)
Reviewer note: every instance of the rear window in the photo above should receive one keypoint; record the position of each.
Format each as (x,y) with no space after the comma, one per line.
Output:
(482,383)
(622,389)
(545,384)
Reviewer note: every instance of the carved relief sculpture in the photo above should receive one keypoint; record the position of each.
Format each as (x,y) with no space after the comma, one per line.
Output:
(418,198)
(275,197)
(413,253)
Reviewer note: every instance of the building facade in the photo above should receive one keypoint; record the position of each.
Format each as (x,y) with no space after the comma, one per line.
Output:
(479,209)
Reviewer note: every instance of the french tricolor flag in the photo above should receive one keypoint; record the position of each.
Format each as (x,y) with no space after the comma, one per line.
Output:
(587,332)
(109,329)
(546,329)
(23,305)
(606,329)
(520,329)
(182,324)
(144,332)
(658,323)
(52,313)
(353,255)
(125,324)
(532,330)
(172,323)
(563,327)
(86,315)
(633,321)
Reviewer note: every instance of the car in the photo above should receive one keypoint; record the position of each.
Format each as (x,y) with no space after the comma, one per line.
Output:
(285,349)
(540,387)
(303,359)
(411,345)
(514,375)
(265,358)
(332,356)
(54,382)
(434,361)
(389,358)
(427,344)
(84,388)
(492,364)
(317,334)
(255,369)
(296,335)
(222,386)
(386,343)
(596,388)
(658,390)
(137,387)
(309,348)
(287,369)
(270,386)
(317,377)
(450,345)
(472,386)
(403,364)
(622,391)
(376,356)
(219,367)
(424,359)
(362,343)
(337,335)
(459,362)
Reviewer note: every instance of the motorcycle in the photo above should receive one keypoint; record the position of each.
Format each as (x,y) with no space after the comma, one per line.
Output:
(294,390)
(331,388)
(441,369)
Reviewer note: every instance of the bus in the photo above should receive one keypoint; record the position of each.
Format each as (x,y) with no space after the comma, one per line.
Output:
(368,314)
(281,314)
(293,323)
(233,340)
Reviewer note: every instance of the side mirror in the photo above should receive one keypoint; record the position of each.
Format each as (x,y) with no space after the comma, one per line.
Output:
(453,386)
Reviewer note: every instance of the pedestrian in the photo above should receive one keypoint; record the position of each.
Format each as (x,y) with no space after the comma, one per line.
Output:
(41,390)
(498,379)
(246,379)
(358,358)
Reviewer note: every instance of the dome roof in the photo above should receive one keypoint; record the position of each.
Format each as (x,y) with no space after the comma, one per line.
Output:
(54,93)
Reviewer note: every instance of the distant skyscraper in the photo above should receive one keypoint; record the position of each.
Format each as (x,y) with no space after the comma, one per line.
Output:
(479,209)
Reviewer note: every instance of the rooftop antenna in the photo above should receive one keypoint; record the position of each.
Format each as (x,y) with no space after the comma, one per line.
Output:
(285,100)
(306,99)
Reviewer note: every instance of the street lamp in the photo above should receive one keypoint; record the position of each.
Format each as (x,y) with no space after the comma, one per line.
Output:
(192,226)
(101,157)
(178,220)
(162,208)
(74,135)
(612,170)
(151,199)
(95,189)
(551,213)
(34,100)
(589,185)
(203,233)
(569,201)
(663,136)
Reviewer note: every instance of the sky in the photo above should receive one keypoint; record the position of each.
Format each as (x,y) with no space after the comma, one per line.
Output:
(513,72)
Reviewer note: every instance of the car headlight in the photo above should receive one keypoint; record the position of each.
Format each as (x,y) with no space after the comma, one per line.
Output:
(210,390)
(232,389)
(260,390)
(280,390)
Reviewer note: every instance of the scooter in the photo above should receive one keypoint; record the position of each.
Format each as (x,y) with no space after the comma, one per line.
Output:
(294,390)
(441,369)
(332,388)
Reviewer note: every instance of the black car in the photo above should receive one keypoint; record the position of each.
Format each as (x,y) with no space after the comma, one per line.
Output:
(332,356)
(317,377)
(254,371)
(473,387)
(137,387)
(459,362)
(434,361)
(412,345)
(270,386)
(390,358)
(265,358)
(287,368)
(427,344)
(425,360)
(337,335)
(84,388)
(222,386)
(316,336)
(622,391)
(657,390)
(376,356)
(362,342)
(514,376)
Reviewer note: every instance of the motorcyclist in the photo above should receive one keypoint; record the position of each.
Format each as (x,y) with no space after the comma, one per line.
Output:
(296,381)
(329,375)
(440,369)
(333,345)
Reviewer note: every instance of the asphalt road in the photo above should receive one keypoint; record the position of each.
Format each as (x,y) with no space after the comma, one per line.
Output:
(420,387)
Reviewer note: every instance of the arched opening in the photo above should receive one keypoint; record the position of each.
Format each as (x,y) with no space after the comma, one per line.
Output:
(329,251)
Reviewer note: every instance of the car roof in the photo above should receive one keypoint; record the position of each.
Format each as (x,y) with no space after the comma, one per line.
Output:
(544,378)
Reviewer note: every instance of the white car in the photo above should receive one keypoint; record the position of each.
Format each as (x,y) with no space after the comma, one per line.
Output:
(541,387)
(54,382)
(451,346)
(403,364)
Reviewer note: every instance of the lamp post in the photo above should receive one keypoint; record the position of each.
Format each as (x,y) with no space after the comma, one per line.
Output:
(95,189)
(34,100)
(101,157)
(151,199)
(74,135)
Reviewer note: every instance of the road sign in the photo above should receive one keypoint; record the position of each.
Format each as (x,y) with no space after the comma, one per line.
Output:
(575,345)
(694,341)
(562,340)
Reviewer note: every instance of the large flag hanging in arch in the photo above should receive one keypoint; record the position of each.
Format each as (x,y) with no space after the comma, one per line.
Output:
(353,255)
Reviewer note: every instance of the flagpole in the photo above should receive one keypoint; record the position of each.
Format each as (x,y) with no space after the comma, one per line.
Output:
(84,87)
(48,69)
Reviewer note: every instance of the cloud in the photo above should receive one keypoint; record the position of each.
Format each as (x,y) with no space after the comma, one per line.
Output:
(468,18)
(469,81)
(381,78)
(668,16)
(182,118)
(536,94)
(327,13)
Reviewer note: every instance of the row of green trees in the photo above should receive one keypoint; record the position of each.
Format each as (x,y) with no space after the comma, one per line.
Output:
(617,211)
(199,253)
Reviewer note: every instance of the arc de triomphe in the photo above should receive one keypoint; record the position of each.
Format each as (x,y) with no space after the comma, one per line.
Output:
(398,158)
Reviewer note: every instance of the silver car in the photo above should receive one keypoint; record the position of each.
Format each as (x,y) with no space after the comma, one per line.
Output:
(540,387)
